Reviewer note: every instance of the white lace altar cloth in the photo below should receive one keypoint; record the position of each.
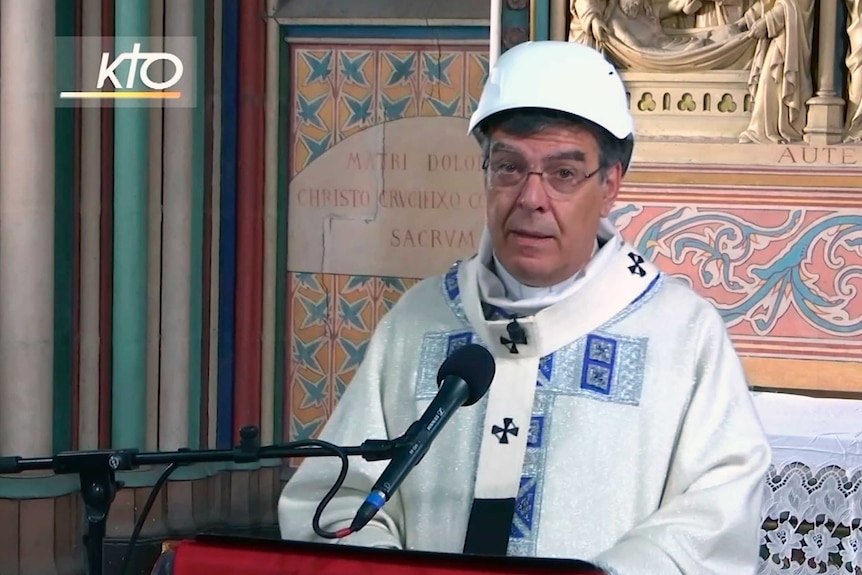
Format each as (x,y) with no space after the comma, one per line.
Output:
(812,505)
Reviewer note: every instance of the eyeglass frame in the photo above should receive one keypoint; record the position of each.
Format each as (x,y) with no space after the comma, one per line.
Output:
(519,186)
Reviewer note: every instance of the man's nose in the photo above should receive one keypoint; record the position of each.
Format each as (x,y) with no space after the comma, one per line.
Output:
(533,195)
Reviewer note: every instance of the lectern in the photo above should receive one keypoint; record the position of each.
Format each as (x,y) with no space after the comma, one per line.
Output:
(212,555)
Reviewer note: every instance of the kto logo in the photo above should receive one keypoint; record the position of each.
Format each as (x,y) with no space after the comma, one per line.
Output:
(139,68)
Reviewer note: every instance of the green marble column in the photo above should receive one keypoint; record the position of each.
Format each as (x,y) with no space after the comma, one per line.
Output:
(131,160)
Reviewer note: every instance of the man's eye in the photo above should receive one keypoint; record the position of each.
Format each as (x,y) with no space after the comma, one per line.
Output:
(567,174)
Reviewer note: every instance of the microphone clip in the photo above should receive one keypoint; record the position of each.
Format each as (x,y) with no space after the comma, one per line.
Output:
(382,449)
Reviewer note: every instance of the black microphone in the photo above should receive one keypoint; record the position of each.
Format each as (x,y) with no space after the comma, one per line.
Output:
(463,379)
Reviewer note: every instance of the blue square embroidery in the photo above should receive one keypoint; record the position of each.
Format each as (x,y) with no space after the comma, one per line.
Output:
(546,368)
(534,439)
(522,524)
(599,364)
(457,341)
(451,283)
(601,349)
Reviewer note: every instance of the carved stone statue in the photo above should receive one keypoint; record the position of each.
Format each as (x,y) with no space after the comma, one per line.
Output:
(711,14)
(853,126)
(630,33)
(635,22)
(780,81)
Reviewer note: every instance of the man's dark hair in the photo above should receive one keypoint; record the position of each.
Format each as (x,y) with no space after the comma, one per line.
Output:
(525,122)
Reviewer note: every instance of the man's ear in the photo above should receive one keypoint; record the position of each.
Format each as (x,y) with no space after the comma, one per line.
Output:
(612,181)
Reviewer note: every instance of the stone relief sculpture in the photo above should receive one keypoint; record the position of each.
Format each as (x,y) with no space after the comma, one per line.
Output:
(780,80)
(710,14)
(637,23)
(767,40)
(632,34)
(853,125)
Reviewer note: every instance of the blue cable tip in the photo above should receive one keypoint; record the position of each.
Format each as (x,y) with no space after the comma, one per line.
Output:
(368,510)
(376,498)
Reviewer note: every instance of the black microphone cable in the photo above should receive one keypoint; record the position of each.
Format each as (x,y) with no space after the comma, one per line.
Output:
(139,524)
(324,445)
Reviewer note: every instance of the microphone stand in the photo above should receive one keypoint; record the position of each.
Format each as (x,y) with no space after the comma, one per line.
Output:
(97,470)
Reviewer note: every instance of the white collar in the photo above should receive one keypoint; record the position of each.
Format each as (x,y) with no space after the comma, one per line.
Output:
(500,289)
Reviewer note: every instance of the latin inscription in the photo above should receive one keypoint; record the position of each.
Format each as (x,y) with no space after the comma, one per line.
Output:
(333,198)
(455,163)
(394,199)
(411,199)
(405,199)
(433,238)
(401,161)
(753,156)
(824,156)
(369,161)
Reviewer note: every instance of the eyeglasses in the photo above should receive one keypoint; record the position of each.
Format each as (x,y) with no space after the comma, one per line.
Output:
(510,174)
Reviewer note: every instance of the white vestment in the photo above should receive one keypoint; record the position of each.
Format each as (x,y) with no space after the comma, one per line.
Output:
(637,447)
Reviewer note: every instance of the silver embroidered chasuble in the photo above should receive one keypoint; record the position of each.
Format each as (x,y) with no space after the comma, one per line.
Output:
(619,424)
(600,365)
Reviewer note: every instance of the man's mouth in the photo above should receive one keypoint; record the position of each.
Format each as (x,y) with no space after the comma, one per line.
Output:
(530,235)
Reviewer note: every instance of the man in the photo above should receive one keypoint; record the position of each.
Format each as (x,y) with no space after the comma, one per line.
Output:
(618,428)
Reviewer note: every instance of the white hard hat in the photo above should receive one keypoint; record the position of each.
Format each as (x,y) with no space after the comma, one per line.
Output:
(556,75)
